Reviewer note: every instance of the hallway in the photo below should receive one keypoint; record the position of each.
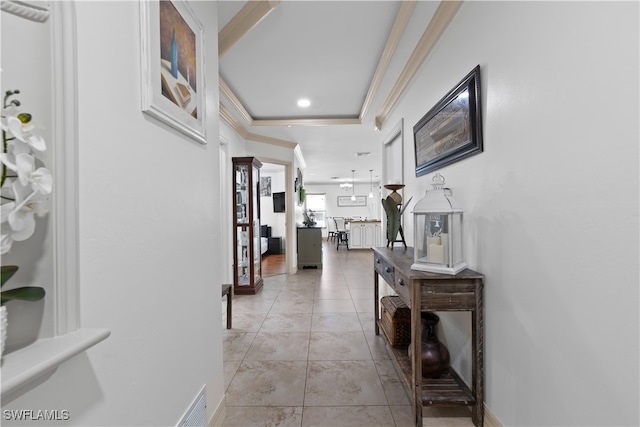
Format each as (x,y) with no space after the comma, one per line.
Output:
(303,352)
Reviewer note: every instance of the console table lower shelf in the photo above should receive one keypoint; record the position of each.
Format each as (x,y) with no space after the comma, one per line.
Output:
(433,292)
(448,390)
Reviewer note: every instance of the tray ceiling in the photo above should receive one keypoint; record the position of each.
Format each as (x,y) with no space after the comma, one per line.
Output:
(346,57)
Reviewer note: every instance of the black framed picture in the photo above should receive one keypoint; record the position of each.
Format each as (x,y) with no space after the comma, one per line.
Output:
(452,129)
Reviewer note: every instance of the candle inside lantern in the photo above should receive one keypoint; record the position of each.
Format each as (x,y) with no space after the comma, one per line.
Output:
(435,249)
(434,240)
(436,253)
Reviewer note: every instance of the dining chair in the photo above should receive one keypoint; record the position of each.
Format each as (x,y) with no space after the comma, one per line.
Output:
(342,232)
(331,228)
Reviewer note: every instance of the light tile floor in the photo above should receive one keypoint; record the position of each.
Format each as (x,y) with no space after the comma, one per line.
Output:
(303,352)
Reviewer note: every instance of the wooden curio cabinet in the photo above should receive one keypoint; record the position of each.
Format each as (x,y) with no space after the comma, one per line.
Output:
(247,271)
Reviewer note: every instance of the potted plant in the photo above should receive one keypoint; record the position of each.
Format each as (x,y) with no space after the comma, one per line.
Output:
(25,186)
(309,218)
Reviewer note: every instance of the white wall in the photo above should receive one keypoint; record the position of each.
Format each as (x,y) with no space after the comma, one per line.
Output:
(551,206)
(275,220)
(149,240)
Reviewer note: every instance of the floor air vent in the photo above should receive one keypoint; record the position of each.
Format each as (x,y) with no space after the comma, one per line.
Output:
(196,415)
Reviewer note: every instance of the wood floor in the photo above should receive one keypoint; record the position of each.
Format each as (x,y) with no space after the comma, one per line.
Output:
(273,265)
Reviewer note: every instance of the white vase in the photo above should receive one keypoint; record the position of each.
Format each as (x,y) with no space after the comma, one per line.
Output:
(3,322)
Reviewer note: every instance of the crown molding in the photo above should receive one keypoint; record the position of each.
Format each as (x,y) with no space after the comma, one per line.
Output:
(402,18)
(298,152)
(441,18)
(244,114)
(307,122)
(254,11)
(226,115)
(248,17)
(270,140)
(251,14)
(233,99)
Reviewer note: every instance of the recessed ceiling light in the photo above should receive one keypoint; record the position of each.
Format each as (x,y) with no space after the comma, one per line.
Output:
(303,102)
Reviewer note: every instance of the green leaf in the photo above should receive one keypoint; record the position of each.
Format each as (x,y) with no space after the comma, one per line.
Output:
(7,272)
(27,293)
(393,218)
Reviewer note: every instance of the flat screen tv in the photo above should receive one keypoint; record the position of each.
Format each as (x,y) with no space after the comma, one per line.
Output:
(278,202)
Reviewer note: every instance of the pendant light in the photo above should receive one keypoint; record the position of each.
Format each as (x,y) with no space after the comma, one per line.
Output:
(371,183)
(353,181)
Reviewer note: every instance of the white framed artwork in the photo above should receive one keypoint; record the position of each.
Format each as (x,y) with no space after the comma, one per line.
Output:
(173,66)
(346,201)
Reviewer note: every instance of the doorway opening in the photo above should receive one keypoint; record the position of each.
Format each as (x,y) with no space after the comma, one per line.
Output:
(273,218)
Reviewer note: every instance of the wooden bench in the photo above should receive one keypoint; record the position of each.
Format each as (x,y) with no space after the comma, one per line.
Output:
(226,290)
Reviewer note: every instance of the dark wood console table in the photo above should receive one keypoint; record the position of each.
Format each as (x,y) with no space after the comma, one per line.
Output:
(423,291)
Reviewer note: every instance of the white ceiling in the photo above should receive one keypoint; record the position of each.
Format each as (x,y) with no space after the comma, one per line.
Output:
(327,52)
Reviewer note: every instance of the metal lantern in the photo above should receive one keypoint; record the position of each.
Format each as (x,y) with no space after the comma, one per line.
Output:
(437,228)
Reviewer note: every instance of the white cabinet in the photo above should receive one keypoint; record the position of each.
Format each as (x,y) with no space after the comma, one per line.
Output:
(355,236)
(364,234)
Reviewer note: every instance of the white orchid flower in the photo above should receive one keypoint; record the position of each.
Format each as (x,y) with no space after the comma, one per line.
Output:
(19,126)
(7,208)
(21,219)
(15,146)
(24,223)
(25,190)
(6,242)
(9,160)
(6,234)
(28,198)
(39,179)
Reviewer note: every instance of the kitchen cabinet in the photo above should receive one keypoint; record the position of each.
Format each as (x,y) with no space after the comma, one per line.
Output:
(365,234)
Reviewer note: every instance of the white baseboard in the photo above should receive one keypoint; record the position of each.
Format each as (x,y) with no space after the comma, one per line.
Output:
(491,420)
(219,415)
